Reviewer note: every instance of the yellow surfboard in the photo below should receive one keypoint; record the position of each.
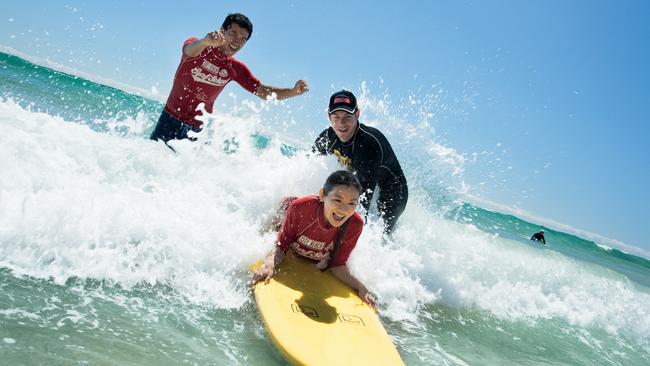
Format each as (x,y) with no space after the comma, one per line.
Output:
(314,319)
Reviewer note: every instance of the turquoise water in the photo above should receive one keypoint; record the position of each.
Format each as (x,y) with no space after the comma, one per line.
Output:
(115,251)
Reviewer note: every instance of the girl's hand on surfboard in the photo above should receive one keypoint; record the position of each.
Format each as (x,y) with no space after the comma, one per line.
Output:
(368,298)
(265,272)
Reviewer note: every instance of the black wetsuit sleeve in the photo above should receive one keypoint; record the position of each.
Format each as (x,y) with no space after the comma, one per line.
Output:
(368,184)
(320,144)
(368,172)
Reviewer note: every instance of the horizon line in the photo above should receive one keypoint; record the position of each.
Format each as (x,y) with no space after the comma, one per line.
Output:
(47,63)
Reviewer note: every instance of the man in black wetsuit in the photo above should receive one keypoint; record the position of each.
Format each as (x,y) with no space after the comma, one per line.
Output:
(539,236)
(365,151)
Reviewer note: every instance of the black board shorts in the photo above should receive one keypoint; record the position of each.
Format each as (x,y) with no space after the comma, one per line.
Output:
(169,128)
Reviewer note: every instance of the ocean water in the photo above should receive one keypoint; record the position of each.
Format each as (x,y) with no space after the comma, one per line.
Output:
(115,251)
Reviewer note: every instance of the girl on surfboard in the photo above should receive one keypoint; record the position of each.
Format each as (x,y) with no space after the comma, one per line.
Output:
(323,229)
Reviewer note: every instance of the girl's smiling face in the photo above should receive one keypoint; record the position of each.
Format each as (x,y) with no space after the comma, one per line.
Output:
(339,204)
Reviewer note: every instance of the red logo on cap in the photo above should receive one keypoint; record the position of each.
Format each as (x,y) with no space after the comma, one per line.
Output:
(342,100)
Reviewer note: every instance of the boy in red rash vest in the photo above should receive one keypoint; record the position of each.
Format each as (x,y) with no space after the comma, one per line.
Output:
(206,67)
(310,229)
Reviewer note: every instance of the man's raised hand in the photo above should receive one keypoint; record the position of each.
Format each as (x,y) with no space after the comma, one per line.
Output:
(215,39)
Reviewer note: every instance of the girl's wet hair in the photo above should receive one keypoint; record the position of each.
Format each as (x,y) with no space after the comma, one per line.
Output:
(341,177)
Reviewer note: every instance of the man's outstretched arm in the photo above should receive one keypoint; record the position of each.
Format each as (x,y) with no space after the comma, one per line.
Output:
(265,91)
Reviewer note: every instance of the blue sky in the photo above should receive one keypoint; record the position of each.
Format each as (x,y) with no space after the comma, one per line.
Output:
(549,96)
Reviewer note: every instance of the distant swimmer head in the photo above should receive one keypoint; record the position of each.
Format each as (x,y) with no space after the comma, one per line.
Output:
(541,231)
(342,101)
(340,196)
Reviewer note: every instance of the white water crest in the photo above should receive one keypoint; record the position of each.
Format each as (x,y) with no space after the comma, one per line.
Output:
(78,203)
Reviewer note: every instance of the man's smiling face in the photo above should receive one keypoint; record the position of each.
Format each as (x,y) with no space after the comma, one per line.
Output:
(344,124)
(236,37)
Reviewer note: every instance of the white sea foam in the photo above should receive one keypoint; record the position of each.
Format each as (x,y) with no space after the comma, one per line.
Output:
(604,247)
(519,282)
(74,202)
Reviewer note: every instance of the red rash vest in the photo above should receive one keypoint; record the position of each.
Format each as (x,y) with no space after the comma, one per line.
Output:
(307,234)
(201,79)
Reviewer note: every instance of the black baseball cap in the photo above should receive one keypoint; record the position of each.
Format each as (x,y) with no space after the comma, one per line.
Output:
(342,101)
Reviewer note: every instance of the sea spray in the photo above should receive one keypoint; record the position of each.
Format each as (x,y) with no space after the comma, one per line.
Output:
(114,249)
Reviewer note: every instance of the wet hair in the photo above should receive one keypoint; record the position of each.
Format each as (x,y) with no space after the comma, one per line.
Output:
(239,19)
(341,178)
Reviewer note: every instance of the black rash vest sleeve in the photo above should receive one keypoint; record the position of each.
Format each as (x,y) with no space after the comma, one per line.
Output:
(368,171)
(320,144)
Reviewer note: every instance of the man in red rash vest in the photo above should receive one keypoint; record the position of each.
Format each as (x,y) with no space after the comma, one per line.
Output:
(207,65)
